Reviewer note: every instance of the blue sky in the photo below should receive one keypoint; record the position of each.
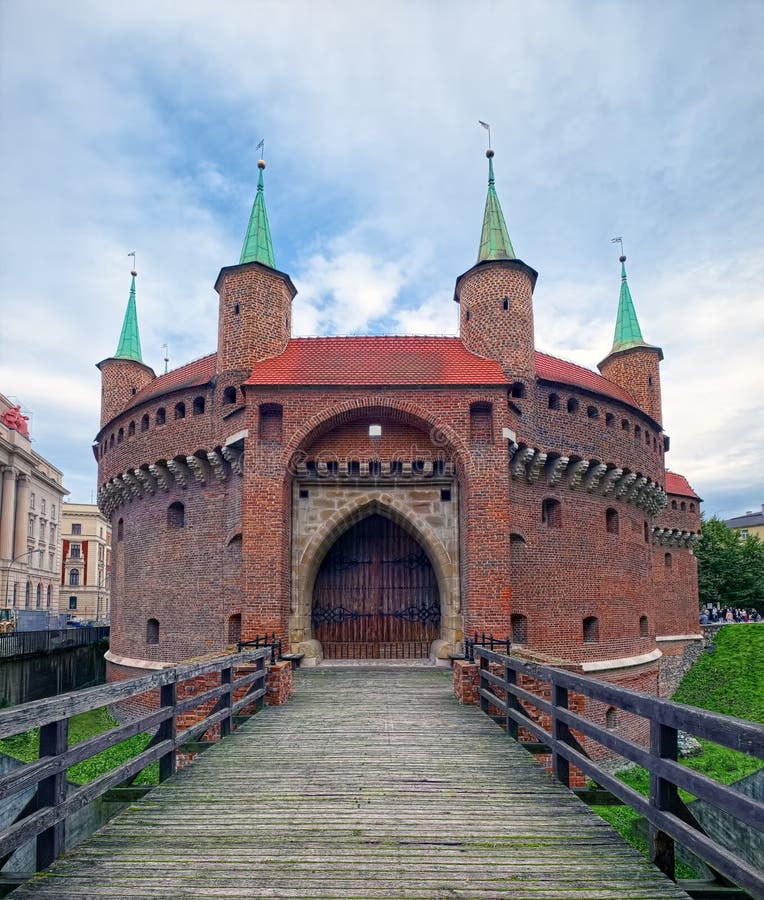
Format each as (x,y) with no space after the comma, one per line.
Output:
(133,127)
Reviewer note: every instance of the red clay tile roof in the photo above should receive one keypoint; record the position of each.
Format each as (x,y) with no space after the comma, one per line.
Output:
(193,374)
(678,484)
(376,360)
(382,360)
(553,369)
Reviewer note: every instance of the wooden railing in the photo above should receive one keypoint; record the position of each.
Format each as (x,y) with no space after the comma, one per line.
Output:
(670,819)
(33,643)
(44,816)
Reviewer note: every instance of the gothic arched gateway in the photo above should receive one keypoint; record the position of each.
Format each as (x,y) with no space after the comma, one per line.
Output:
(376,595)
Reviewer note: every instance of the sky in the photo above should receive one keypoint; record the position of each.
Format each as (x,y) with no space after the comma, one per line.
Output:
(134,126)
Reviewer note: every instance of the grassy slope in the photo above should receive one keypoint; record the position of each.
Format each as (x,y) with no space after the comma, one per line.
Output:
(731,681)
(25,747)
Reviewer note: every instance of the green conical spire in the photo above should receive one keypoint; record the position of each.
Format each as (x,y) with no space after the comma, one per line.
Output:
(494,240)
(257,244)
(130,340)
(627,330)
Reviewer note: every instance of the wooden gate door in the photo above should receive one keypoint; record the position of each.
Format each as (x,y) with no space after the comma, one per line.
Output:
(376,595)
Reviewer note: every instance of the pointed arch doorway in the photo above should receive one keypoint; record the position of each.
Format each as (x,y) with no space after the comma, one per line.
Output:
(376,595)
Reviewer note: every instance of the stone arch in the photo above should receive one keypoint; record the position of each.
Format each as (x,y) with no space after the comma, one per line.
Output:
(383,503)
(441,434)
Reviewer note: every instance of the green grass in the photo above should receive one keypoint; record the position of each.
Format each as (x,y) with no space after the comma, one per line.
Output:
(25,747)
(727,681)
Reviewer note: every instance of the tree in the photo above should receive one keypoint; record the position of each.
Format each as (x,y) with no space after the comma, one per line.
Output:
(730,569)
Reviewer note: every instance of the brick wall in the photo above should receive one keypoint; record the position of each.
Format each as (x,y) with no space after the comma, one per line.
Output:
(638,371)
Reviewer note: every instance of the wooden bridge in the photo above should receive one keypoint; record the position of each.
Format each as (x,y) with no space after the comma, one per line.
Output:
(369,783)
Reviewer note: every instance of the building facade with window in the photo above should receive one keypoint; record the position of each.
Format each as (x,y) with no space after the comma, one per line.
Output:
(84,592)
(31,494)
(752,523)
(384,496)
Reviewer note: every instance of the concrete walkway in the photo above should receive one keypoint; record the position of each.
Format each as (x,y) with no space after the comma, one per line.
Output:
(370,783)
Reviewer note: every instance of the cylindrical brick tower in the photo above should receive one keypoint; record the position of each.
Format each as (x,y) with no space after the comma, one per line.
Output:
(255,315)
(496,296)
(125,373)
(632,363)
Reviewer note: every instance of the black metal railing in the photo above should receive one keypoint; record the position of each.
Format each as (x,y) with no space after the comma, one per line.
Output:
(510,685)
(269,643)
(484,640)
(37,643)
(240,688)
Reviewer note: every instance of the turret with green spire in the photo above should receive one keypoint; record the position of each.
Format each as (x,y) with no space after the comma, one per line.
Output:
(124,374)
(255,315)
(633,363)
(496,296)
(494,239)
(257,243)
(129,346)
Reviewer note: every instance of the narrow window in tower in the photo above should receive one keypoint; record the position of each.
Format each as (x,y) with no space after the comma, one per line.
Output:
(643,626)
(592,412)
(161,416)
(145,423)
(519,628)
(610,718)
(152,631)
(591,630)
(271,416)
(609,420)
(667,560)
(572,405)
(650,380)
(554,401)
(236,309)
(647,533)
(551,513)
(468,315)
(234,628)
(111,441)
(611,521)
(198,406)
(505,303)
(692,507)
(682,506)
(229,395)
(131,429)
(481,423)
(625,424)
(120,529)
(674,504)
(180,410)
(176,515)
(518,390)
(120,435)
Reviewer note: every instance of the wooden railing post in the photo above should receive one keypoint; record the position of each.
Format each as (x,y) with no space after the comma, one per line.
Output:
(51,791)
(663,796)
(226,700)
(510,679)
(260,667)
(560,732)
(168,731)
(483,667)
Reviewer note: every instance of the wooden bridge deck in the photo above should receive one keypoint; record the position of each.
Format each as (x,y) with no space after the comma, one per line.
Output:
(368,784)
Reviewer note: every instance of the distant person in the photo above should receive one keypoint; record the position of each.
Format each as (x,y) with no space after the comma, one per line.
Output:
(704,618)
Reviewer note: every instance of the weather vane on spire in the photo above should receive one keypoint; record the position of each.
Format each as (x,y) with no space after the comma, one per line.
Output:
(166,358)
(133,271)
(261,148)
(488,129)
(619,240)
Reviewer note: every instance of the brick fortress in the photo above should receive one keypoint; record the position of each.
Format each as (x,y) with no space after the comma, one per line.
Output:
(385,496)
